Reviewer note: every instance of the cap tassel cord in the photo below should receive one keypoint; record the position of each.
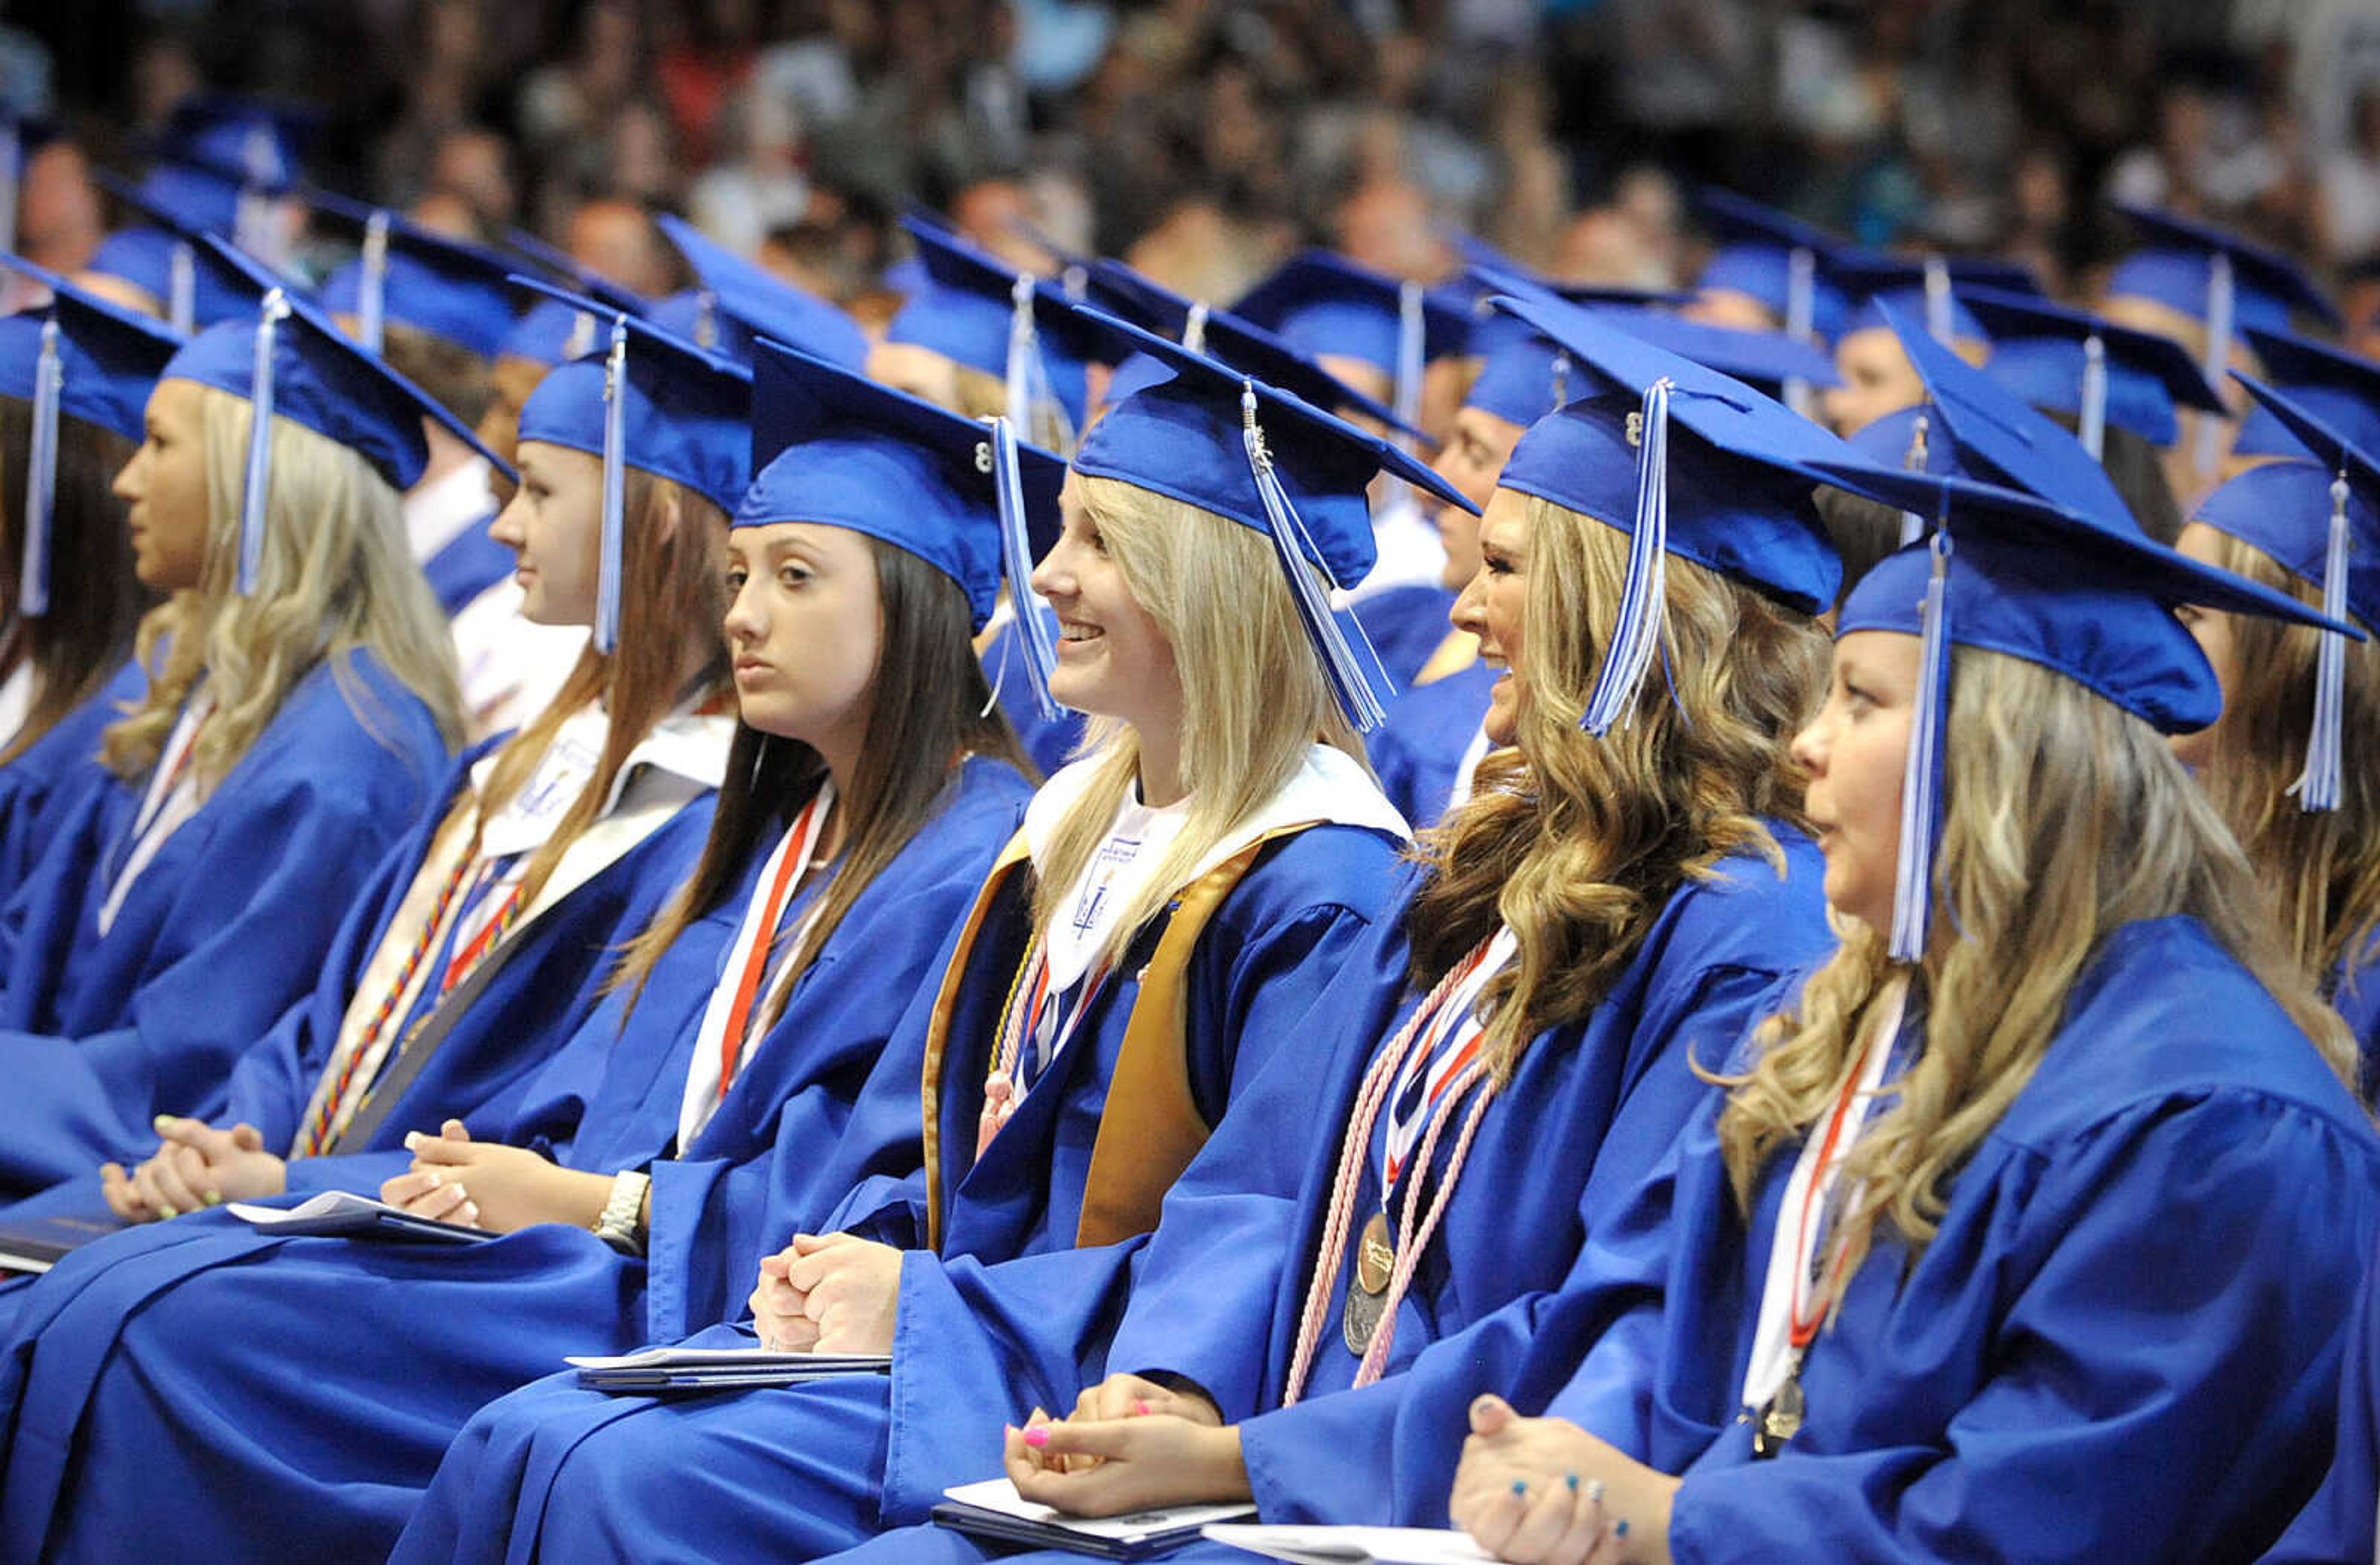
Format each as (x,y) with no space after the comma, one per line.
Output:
(2319,785)
(1913,525)
(1921,791)
(1561,379)
(706,321)
(371,292)
(1194,330)
(1636,634)
(256,481)
(2220,301)
(1801,317)
(1410,335)
(1032,406)
(1356,679)
(2091,424)
(42,477)
(1940,324)
(1016,559)
(615,491)
(182,283)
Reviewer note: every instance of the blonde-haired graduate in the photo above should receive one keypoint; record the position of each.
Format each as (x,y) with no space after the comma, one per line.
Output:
(1165,925)
(2290,764)
(1629,883)
(297,712)
(2029,1227)
(712,1100)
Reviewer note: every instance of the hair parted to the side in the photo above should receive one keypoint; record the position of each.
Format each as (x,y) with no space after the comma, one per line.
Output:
(1255,698)
(2067,818)
(337,577)
(673,546)
(940,711)
(2320,867)
(1575,844)
(95,600)
(463,383)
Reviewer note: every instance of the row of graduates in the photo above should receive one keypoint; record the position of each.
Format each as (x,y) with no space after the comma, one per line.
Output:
(1198,1033)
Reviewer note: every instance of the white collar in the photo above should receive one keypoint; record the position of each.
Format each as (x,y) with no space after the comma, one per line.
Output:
(438,512)
(686,744)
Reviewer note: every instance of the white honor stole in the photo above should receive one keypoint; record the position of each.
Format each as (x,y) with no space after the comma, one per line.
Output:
(172,796)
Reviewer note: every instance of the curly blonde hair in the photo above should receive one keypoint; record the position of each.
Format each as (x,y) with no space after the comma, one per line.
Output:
(1575,844)
(2067,820)
(337,576)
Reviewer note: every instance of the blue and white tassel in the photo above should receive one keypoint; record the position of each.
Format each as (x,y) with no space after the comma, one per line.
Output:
(1354,670)
(42,477)
(1636,633)
(1033,634)
(371,288)
(611,561)
(2220,301)
(1194,330)
(2091,424)
(182,284)
(1412,358)
(1801,317)
(2319,785)
(1922,789)
(1941,324)
(1913,525)
(256,481)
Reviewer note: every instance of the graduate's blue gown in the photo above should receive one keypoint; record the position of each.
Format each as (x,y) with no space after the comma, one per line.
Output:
(2357,998)
(469,564)
(2335,1528)
(230,922)
(2123,1343)
(555,1472)
(290,1397)
(26,783)
(1418,750)
(1405,625)
(1592,1110)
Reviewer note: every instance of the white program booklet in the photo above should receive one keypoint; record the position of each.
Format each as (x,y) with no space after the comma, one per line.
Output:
(335,1213)
(1355,1545)
(712,1369)
(994,1509)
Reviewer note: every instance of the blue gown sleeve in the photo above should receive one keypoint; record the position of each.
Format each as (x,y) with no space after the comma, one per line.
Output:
(2337,1524)
(2188,1267)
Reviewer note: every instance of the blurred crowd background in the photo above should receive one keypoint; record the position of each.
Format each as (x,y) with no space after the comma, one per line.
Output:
(1204,140)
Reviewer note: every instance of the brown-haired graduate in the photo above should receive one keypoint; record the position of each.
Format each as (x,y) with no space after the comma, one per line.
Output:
(1167,922)
(298,705)
(1611,906)
(707,1108)
(75,380)
(2028,1228)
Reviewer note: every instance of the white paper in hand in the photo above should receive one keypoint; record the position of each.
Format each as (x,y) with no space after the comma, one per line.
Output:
(1355,1545)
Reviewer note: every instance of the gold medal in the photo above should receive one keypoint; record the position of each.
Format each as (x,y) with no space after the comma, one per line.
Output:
(1375,1258)
(1782,1419)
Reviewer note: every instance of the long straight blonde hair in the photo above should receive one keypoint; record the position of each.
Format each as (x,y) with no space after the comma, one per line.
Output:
(337,577)
(1576,843)
(2320,867)
(2067,820)
(1254,698)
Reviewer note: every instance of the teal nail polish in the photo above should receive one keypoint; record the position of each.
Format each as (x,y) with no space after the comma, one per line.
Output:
(1520,1486)
(1620,1529)
(1571,1480)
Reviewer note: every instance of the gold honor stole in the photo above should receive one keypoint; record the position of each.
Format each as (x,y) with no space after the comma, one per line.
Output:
(1150,1128)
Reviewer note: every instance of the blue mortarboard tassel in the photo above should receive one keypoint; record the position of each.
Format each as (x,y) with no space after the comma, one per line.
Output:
(1801,317)
(1636,634)
(1016,559)
(611,562)
(2318,786)
(2219,304)
(1193,329)
(1561,378)
(1353,668)
(1921,789)
(706,321)
(2091,423)
(1032,406)
(256,484)
(252,220)
(371,288)
(182,308)
(581,341)
(1074,282)
(1913,525)
(42,477)
(1940,323)
(1410,347)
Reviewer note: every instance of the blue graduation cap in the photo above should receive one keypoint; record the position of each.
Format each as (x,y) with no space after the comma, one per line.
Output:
(2081,594)
(1919,287)
(1736,494)
(452,290)
(293,361)
(2072,361)
(977,310)
(1118,290)
(2280,508)
(221,158)
(1209,436)
(2341,388)
(2003,440)
(1325,303)
(194,286)
(552,333)
(833,446)
(1775,258)
(765,305)
(83,358)
(645,399)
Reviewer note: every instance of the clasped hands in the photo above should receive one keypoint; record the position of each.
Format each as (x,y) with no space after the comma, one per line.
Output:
(195,1165)
(1130,1445)
(829,1293)
(487,1184)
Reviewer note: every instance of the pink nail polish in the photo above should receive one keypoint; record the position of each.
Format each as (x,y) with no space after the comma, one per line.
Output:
(1037,1438)
(1140,1407)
